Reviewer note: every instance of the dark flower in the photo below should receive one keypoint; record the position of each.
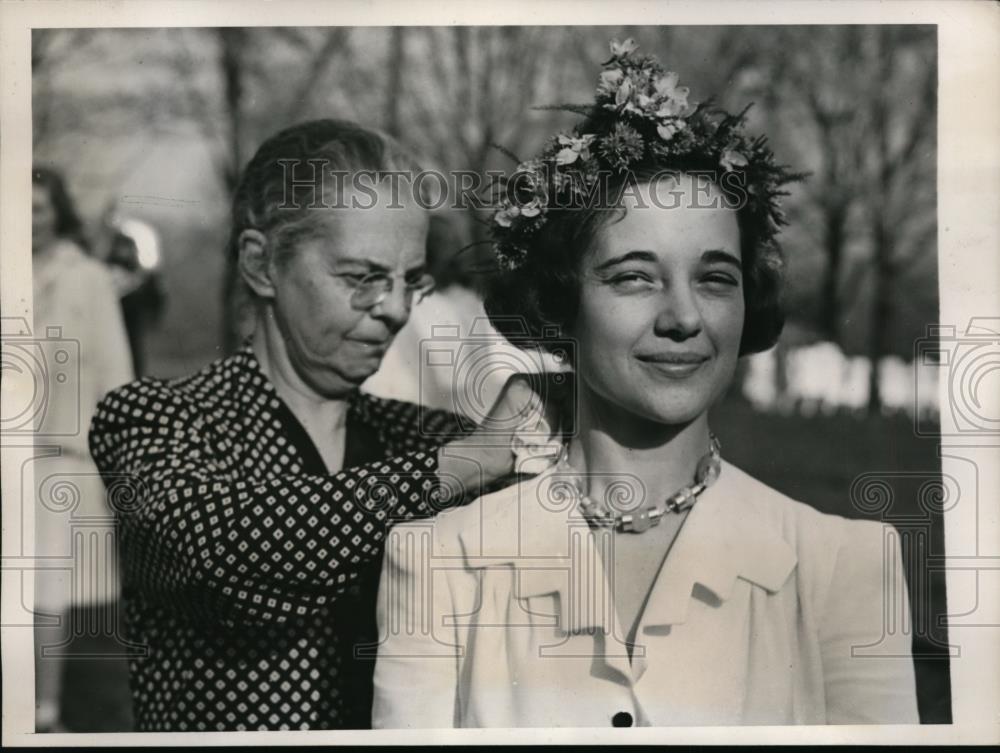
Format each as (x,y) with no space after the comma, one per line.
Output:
(622,146)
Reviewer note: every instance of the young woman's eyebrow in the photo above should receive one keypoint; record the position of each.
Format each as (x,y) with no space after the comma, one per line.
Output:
(720,256)
(630,256)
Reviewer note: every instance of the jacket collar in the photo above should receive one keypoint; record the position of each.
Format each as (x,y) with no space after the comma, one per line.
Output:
(727,535)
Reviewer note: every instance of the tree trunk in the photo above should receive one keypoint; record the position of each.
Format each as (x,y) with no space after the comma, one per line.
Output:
(834,233)
(232,44)
(882,237)
(394,91)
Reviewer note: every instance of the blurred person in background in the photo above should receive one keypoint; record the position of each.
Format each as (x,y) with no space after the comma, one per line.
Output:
(74,298)
(132,252)
(452,321)
(269,479)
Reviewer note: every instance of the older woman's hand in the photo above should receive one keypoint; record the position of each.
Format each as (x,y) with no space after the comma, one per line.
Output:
(528,404)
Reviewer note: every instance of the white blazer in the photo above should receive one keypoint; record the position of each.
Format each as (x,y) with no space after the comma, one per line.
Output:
(499,614)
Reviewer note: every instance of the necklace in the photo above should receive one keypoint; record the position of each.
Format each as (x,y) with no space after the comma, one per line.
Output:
(707,471)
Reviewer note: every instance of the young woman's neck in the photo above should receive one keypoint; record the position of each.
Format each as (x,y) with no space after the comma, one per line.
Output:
(613,445)
(313,410)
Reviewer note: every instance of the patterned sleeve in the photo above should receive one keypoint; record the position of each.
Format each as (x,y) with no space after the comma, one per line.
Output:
(417,427)
(199,538)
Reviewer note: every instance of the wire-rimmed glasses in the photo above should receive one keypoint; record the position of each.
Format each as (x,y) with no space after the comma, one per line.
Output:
(372,289)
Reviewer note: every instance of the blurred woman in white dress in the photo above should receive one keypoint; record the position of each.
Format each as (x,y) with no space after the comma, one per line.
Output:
(449,356)
(640,579)
(74,300)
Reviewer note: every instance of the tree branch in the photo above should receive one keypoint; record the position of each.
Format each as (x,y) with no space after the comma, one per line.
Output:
(333,48)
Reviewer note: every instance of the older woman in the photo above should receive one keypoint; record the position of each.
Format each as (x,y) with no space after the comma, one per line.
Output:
(264,484)
(640,579)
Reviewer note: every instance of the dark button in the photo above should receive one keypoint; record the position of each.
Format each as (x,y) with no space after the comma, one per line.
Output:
(621,719)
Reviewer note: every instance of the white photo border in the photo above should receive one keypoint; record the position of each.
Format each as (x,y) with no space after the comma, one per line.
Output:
(969,271)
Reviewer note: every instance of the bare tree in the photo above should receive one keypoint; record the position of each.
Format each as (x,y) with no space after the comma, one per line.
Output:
(480,84)
(394,90)
(901,101)
(51,49)
(819,82)
(231,126)
(857,104)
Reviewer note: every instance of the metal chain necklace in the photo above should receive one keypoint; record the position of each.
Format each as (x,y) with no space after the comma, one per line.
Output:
(707,471)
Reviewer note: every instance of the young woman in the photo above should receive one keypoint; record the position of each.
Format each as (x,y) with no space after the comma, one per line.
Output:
(640,579)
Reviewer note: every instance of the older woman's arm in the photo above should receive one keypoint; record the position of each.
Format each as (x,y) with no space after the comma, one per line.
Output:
(867,662)
(199,537)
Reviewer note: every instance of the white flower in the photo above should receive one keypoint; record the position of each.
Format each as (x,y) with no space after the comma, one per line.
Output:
(622,49)
(610,81)
(574,148)
(666,85)
(567,156)
(667,129)
(531,209)
(674,98)
(731,159)
(672,109)
(506,216)
(624,94)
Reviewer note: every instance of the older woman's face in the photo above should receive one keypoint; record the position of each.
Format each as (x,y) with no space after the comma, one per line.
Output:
(332,345)
(661,306)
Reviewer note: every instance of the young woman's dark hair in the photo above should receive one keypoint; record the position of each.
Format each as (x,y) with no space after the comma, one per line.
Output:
(541,295)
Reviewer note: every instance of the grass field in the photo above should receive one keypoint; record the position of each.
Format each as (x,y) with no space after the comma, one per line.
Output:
(815,460)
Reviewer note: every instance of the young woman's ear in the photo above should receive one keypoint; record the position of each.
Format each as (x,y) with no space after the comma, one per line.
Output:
(255,263)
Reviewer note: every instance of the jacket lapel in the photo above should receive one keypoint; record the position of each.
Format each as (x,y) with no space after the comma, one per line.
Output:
(552,549)
(727,536)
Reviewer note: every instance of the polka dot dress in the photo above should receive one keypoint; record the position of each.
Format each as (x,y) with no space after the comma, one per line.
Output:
(250,573)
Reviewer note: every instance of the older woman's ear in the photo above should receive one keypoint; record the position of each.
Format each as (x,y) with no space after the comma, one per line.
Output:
(255,263)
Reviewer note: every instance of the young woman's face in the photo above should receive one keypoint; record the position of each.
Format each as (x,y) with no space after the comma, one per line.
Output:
(661,305)
(43,218)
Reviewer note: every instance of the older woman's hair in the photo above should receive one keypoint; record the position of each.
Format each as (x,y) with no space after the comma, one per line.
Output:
(68,223)
(542,295)
(276,195)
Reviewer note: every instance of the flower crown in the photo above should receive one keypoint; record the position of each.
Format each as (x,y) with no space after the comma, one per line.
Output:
(640,115)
